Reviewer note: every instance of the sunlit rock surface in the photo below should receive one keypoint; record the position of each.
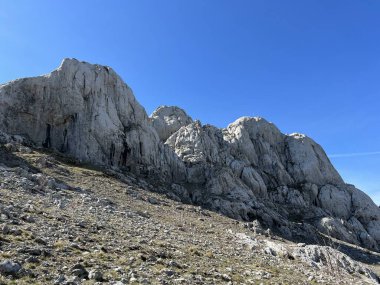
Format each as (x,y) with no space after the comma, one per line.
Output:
(248,170)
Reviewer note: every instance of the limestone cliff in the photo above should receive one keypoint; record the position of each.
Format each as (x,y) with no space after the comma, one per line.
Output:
(249,170)
(88,112)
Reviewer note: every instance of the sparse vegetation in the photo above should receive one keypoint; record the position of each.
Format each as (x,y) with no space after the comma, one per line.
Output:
(93,221)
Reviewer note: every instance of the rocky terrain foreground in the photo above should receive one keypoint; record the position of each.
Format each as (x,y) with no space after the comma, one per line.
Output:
(63,223)
(94,190)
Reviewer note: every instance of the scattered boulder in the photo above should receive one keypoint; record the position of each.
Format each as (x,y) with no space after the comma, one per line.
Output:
(8,267)
(79,271)
(96,275)
(276,249)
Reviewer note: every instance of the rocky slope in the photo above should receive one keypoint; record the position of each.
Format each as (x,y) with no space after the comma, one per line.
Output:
(64,223)
(247,171)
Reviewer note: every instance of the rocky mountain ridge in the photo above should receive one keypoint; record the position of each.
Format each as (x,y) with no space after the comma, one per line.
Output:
(248,171)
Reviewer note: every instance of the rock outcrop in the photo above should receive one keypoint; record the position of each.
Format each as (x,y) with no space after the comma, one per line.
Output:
(250,169)
(247,171)
(169,119)
(333,260)
(88,112)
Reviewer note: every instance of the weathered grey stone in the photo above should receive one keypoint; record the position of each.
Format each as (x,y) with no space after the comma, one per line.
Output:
(79,270)
(336,228)
(308,162)
(96,275)
(336,201)
(88,112)
(327,257)
(276,249)
(169,119)
(8,267)
(249,170)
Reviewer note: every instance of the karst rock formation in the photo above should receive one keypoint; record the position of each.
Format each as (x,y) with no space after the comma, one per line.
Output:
(248,170)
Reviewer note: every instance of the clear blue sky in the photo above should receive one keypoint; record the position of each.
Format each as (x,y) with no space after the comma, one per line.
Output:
(308,66)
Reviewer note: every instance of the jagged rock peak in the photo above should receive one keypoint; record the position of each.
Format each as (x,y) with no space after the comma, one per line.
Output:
(72,64)
(169,119)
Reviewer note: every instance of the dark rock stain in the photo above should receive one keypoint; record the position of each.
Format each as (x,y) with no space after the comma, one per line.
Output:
(47,142)
(112,153)
(124,154)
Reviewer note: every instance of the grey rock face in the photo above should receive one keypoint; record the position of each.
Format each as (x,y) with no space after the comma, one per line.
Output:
(88,112)
(233,169)
(335,200)
(249,170)
(282,159)
(169,119)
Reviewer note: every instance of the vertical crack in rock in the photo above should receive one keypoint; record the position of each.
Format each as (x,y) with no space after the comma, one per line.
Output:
(47,142)
(64,147)
(124,155)
(112,153)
